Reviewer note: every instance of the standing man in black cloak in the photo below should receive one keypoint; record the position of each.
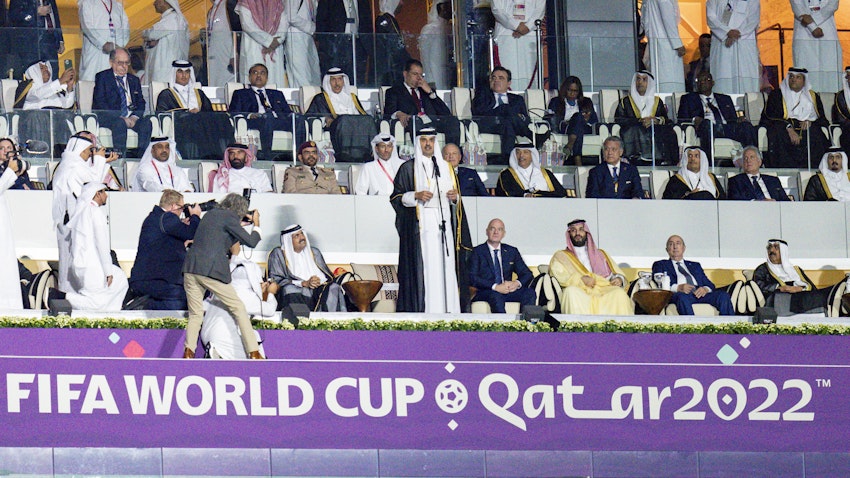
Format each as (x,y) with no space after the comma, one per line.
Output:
(432,275)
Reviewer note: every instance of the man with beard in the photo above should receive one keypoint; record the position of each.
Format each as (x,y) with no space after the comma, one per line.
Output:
(785,286)
(309,178)
(433,234)
(236,174)
(831,182)
(592,282)
(158,169)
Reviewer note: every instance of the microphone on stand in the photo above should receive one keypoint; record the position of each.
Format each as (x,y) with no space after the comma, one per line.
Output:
(436,168)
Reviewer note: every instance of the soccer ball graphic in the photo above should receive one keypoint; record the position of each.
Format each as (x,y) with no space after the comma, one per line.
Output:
(451,396)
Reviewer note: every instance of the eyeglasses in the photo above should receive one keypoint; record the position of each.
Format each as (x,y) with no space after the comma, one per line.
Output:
(121,63)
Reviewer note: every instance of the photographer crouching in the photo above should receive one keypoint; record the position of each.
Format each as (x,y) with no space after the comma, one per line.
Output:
(207,268)
(158,270)
(10,155)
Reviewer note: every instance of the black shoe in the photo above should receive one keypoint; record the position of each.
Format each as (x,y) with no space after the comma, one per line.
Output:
(55,294)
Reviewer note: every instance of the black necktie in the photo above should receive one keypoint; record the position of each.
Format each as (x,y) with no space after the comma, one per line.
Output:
(315,173)
(688,277)
(497,266)
(718,118)
(265,102)
(757,189)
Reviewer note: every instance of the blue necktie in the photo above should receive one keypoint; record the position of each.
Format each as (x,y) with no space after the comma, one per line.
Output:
(759,194)
(688,277)
(497,266)
(124,107)
(614,176)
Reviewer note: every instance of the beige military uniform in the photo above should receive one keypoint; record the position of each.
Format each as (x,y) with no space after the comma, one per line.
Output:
(300,180)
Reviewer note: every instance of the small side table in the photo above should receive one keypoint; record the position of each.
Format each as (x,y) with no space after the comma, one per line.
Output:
(362,292)
(652,301)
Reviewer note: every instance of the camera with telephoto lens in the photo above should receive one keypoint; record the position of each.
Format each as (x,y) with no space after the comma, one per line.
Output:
(14,155)
(249,217)
(205,206)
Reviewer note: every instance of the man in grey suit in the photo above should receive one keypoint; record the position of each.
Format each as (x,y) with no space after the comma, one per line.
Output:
(207,268)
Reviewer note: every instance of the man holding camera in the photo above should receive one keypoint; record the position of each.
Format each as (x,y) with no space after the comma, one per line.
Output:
(73,171)
(163,240)
(9,278)
(207,268)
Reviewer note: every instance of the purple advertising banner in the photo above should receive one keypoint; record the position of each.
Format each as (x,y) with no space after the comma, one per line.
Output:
(429,390)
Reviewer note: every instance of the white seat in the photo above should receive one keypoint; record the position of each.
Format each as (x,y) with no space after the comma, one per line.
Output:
(535,101)
(482,307)
(580,181)
(754,105)
(828,100)
(658,179)
(353,176)
(7,100)
(307,94)
(803,178)
(9,126)
(382,94)
(156,89)
(278,174)
(608,101)
(130,170)
(85,95)
(50,169)
(204,170)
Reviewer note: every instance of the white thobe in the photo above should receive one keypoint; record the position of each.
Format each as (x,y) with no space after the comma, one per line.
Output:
(172,35)
(95,19)
(438,268)
(518,54)
(10,281)
(68,182)
(301,54)
(736,69)
(219,45)
(821,56)
(254,40)
(220,331)
(245,178)
(48,95)
(149,178)
(377,178)
(434,50)
(660,19)
(91,263)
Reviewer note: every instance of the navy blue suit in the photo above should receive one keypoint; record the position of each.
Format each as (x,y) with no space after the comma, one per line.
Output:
(278,119)
(685,302)
(691,106)
(158,269)
(398,98)
(482,276)
(470,183)
(507,120)
(108,101)
(741,187)
(600,183)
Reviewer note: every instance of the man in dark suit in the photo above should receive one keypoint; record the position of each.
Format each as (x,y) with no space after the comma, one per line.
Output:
(119,103)
(689,283)
(491,267)
(414,104)
(336,21)
(37,33)
(700,64)
(207,268)
(158,269)
(752,186)
(613,179)
(720,110)
(468,180)
(499,112)
(266,110)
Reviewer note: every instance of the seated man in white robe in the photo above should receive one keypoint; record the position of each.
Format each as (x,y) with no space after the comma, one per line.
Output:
(592,282)
(376,177)
(96,283)
(831,182)
(158,169)
(303,275)
(220,334)
(236,174)
(36,93)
